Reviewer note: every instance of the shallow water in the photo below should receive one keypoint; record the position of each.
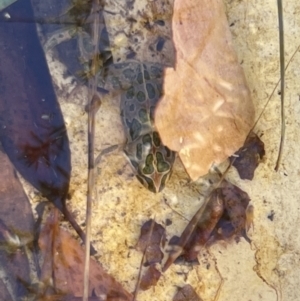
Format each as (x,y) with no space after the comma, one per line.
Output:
(267,269)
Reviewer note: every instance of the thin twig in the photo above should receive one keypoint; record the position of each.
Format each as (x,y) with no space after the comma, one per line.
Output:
(271,95)
(282,75)
(92,94)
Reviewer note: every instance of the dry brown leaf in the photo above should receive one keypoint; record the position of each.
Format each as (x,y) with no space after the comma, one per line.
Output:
(206,112)
(67,257)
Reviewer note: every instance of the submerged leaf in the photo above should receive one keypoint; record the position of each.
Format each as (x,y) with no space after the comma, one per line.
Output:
(198,230)
(234,221)
(247,158)
(32,128)
(206,112)
(151,238)
(65,262)
(186,293)
(223,217)
(205,226)
(150,278)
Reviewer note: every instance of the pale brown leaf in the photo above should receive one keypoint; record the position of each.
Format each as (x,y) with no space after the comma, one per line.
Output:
(206,112)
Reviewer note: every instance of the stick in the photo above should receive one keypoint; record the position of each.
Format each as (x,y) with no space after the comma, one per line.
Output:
(282,75)
(91,143)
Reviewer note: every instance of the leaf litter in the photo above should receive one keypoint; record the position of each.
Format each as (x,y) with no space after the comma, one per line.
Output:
(151,239)
(223,217)
(247,158)
(150,243)
(228,226)
(66,266)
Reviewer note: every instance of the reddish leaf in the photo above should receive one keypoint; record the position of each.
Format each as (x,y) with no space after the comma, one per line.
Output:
(248,157)
(150,278)
(151,238)
(205,226)
(186,293)
(64,260)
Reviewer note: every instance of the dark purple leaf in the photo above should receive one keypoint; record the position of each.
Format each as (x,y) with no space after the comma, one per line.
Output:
(248,157)
(32,129)
(233,222)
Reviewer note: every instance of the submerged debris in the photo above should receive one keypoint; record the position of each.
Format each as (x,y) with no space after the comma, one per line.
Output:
(247,158)
(233,222)
(150,241)
(150,278)
(224,217)
(63,262)
(186,293)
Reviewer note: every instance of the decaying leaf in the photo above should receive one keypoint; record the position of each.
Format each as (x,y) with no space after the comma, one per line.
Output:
(247,158)
(205,226)
(197,231)
(186,293)
(66,265)
(223,217)
(16,233)
(150,278)
(249,217)
(150,241)
(234,221)
(206,112)
(151,238)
